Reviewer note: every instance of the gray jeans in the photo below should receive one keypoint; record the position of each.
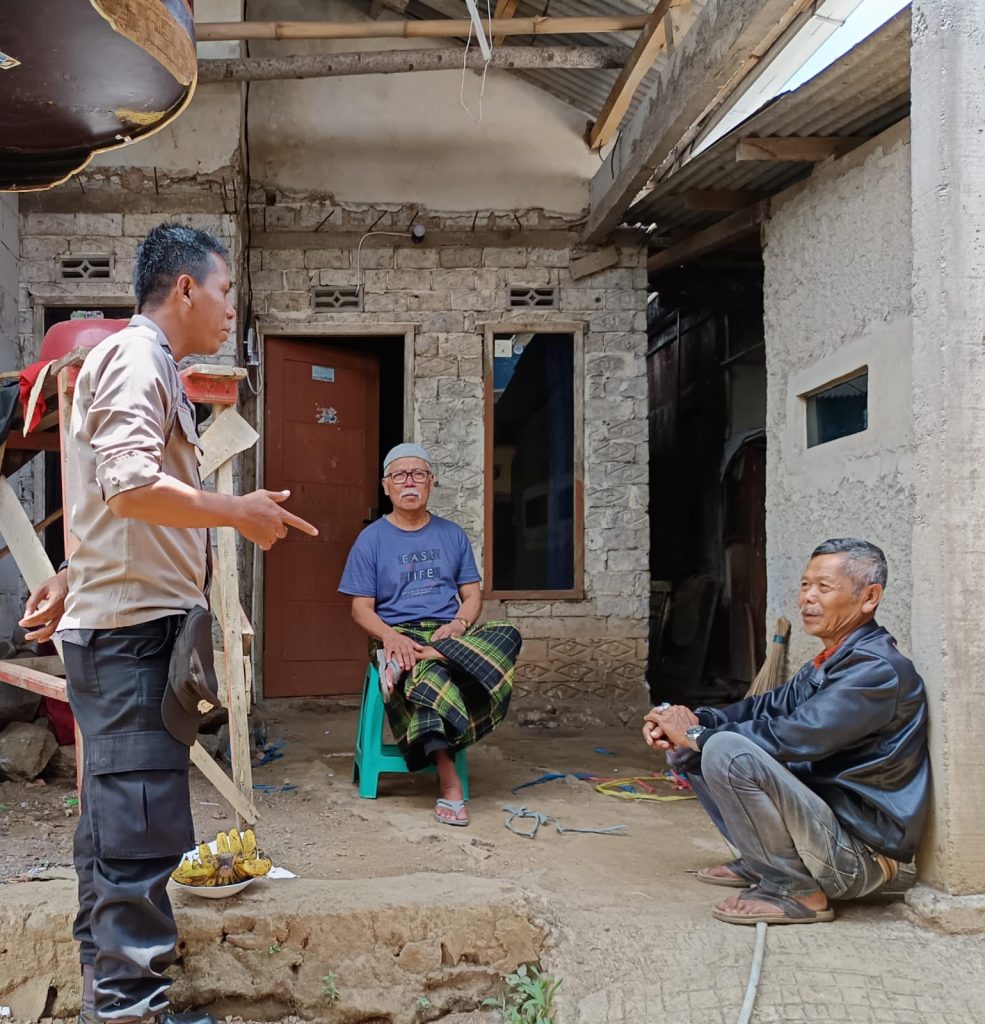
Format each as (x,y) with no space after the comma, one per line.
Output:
(136,817)
(783,830)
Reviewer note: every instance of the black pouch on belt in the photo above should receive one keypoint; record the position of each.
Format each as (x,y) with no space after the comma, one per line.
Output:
(193,689)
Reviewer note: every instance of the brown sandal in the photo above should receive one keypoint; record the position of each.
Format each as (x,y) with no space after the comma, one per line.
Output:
(788,911)
(741,876)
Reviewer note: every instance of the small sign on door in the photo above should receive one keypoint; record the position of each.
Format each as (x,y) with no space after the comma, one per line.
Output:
(323,373)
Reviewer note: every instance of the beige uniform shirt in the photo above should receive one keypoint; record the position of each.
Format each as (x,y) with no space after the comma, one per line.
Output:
(132,424)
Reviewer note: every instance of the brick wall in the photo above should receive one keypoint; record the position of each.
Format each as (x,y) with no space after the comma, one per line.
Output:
(449,287)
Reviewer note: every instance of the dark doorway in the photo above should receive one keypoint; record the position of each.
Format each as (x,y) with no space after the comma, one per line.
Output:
(707,392)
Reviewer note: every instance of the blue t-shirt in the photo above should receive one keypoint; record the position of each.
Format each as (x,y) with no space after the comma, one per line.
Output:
(412,574)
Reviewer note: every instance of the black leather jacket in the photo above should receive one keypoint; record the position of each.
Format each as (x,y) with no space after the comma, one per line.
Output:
(855,732)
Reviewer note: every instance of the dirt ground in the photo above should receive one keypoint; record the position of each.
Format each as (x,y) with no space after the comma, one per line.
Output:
(632,939)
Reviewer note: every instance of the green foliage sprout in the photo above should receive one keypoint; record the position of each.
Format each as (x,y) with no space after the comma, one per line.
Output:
(329,988)
(530,999)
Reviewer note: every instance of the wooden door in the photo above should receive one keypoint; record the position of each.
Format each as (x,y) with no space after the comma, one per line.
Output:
(321,444)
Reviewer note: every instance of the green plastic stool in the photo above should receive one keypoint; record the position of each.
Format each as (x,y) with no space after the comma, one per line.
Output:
(373,756)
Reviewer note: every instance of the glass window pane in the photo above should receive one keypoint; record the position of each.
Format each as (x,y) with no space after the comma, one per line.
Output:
(533,462)
(838,411)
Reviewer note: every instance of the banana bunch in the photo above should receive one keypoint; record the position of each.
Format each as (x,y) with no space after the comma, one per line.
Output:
(236,859)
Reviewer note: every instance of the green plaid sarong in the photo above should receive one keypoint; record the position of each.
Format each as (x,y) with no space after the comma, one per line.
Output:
(462,698)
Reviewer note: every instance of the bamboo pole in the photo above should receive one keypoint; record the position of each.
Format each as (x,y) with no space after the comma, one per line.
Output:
(441,28)
(330,65)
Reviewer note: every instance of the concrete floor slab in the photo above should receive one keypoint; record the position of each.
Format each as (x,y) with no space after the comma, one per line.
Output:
(620,920)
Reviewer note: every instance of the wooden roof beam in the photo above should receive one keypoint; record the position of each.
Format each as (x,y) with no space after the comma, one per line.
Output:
(441,28)
(808,150)
(655,37)
(504,9)
(728,40)
(719,235)
(400,61)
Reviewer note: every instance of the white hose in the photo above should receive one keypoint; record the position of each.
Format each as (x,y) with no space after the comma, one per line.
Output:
(752,987)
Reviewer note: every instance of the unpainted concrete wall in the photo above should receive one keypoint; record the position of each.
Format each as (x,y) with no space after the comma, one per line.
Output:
(837,262)
(205,138)
(9,253)
(406,138)
(10,585)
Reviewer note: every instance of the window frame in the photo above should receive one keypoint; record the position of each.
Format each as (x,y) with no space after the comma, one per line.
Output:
(535,326)
(812,393)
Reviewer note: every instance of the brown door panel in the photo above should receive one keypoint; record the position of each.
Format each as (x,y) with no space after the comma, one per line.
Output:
(321,443)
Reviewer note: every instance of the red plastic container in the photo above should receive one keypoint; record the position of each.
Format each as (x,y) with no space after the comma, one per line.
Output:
(69,335)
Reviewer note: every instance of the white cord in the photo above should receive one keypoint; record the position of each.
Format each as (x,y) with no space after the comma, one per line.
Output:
(752,987)
(485,69)
(359,251)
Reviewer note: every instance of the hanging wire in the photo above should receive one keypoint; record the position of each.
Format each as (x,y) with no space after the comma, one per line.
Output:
(485,68)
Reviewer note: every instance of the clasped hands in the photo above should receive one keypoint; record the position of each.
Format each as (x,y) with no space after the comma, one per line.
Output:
(407,652)
(664,726)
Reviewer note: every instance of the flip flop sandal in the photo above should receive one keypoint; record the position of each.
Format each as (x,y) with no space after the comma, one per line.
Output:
(789,911)
(383,666)
(742,876)
(454,806)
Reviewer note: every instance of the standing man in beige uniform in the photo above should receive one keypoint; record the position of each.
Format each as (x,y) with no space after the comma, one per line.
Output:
(141,519)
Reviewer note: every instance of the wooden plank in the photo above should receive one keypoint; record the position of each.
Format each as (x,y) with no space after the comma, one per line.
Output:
(43,525)
(728,40)
(18,531)
(33,442)
(651,42)
(30,679)
(594,262)
(214,371)
(246,627)
(442,28)
(726,231)
(65,384)
(371,62)
(504,9)
(224,786)
(228,435)
(809,150)
(50,665)
(720,199)
(226,589)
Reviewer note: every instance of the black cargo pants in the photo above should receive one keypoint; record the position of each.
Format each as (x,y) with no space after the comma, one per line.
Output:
(136,814)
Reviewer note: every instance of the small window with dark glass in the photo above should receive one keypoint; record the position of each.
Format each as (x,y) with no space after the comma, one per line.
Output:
(532,462)
(838,410)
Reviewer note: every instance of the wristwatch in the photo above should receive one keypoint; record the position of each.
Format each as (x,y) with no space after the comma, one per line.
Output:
(464,622)
(691,736)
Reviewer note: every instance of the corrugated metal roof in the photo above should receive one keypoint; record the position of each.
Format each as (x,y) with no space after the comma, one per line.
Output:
(586,90)
(863,93)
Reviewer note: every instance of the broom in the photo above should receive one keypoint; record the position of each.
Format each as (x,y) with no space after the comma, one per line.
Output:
(773,671)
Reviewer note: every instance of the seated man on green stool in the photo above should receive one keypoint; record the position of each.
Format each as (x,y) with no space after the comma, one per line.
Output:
(417,592)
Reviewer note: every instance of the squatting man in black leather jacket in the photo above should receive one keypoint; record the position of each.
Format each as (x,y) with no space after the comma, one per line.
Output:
(821,785)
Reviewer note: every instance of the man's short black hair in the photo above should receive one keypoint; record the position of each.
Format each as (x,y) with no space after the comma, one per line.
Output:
(865,563)
(167,252)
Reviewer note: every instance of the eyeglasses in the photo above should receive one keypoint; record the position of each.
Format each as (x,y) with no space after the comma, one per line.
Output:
(417,475)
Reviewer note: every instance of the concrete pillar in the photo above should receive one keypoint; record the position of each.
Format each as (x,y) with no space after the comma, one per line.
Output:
(948,610)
